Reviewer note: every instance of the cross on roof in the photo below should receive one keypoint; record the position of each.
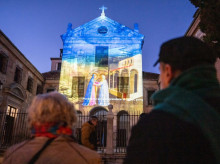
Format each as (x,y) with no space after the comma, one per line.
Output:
(103,8)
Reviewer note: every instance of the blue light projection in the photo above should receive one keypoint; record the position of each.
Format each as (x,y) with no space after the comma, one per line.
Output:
(102,65)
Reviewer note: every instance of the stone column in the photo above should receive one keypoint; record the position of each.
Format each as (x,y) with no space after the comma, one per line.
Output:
(110,117)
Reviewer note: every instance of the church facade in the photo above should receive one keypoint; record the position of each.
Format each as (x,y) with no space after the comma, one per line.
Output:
(102,65)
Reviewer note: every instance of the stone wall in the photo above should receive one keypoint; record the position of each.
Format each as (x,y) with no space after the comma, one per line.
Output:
(15,93)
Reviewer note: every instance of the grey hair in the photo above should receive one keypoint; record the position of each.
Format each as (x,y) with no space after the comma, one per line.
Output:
(51,107)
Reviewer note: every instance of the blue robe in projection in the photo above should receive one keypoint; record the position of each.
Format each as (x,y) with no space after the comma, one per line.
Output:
(103,93)
(89,90)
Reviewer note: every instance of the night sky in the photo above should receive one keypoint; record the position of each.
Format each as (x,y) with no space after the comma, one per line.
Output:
(35,26)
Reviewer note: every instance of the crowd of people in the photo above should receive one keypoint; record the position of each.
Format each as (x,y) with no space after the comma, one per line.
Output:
(183,126)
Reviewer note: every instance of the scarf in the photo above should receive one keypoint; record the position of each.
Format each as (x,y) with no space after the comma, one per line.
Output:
(184,99)
(50,130)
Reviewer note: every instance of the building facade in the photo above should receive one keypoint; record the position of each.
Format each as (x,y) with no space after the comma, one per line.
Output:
(102,65)
(151,84)
(195,31)
(20,81)
(52,78)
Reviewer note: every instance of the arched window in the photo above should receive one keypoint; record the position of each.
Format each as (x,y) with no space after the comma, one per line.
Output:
(123,126)
(116,80)
(99,112)
(133,81)
(124,83)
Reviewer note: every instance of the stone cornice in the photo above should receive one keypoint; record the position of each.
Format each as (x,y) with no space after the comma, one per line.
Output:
(194,25)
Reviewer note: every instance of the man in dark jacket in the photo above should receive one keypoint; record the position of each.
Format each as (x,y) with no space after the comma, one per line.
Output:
(184,125)
(89,137)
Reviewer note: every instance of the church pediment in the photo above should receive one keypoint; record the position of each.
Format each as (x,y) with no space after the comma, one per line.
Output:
(101,27)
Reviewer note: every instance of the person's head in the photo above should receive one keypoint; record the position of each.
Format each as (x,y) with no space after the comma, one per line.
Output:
(51,107)
(94,120)
(180,54)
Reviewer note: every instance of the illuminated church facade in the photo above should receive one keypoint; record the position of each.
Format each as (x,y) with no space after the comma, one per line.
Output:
(102,65)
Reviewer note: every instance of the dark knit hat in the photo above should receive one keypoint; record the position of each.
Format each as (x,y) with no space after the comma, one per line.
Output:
(94,117)
(185,52)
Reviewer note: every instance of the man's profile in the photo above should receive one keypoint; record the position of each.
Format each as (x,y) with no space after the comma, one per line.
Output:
(183,126)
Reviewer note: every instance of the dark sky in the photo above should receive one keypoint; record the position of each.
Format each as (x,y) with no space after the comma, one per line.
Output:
(35,26)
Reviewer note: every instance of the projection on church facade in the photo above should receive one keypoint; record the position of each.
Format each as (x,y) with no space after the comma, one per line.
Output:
(102,65)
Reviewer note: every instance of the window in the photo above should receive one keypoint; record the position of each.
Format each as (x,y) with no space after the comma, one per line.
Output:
(39,89)
(58,66)
(18,75)
(101,56)
(135,83)
(124,83)
(3,63)
(78,87)
(102,30)
(116,80)
(81,81)
(30,84)
(149,94)
(124,86)
(50,90)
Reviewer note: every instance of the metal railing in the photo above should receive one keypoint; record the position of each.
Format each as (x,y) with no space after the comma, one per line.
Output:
(101,130)
(125,122)
(13,128)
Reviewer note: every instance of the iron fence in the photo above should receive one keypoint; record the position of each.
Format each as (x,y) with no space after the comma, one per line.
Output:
(13,128)
(101,129)
(125,122)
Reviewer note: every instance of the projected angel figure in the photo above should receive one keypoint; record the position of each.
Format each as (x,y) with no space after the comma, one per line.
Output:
(103,92)
(90,97)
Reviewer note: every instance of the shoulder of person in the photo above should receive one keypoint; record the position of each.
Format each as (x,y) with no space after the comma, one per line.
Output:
(11,150)
(88,125)
(156,115)
(85,152)
(160,122)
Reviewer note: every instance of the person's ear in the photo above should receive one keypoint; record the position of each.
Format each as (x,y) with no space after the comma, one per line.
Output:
(169,74)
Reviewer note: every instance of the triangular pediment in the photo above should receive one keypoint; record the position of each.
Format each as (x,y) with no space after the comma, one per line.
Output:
(102,27)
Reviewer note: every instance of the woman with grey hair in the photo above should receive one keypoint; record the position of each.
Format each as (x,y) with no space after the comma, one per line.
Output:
(51,119)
